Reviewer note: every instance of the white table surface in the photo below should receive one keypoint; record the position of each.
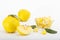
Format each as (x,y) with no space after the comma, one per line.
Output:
(38,8)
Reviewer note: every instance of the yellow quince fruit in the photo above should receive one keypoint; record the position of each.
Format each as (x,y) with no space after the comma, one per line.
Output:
(10,23)
(24,30)
(23,15)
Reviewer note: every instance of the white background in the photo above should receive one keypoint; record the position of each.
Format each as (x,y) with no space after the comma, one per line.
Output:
(38,8)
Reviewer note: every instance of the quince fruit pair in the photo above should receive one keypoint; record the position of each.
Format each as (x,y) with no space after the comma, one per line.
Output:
(11,22)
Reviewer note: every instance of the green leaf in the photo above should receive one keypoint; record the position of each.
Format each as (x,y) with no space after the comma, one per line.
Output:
(13,16)
(50,31)
(33,26)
